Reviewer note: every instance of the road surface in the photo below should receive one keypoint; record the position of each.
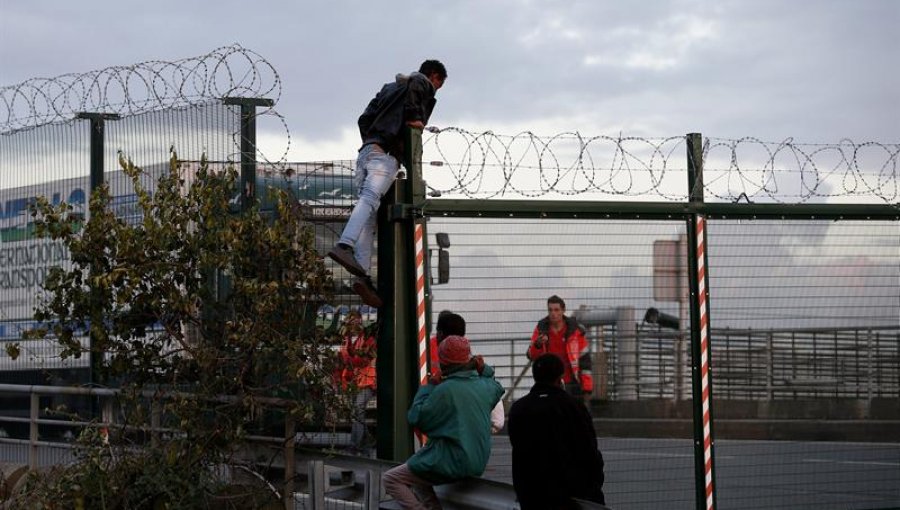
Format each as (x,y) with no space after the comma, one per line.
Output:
(653,474)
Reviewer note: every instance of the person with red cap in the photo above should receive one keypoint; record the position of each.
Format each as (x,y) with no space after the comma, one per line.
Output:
(454,412)
(448,324)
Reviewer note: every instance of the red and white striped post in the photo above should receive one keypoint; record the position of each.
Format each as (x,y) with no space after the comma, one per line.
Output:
(704,361)
(704,458)
(422,330)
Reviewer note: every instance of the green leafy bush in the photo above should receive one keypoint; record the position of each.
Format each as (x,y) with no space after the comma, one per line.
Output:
(199,311)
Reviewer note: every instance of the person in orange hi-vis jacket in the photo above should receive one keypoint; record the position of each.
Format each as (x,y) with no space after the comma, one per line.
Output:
(561,335)
(358,355)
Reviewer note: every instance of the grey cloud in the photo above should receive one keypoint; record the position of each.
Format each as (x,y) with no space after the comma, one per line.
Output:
(770,69)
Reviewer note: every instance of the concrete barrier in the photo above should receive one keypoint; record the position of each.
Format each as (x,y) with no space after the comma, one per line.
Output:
(876,420)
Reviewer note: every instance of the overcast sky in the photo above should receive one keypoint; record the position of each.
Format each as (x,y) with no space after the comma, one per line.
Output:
(817,71)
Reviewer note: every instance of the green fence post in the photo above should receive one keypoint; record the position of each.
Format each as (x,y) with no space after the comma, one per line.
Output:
(391,370)
(421,325)
(98,144)
(396,283)
(247,184)
(248,144)
(97,162)
(701,376)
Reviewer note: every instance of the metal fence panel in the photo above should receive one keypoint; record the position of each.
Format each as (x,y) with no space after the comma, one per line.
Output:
(772,341)
(49,161)
(813,311)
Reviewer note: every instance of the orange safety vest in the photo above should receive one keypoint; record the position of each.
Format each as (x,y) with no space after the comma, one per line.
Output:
(358,353)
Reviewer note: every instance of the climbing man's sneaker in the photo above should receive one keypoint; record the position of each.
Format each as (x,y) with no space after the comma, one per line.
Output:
(343,255)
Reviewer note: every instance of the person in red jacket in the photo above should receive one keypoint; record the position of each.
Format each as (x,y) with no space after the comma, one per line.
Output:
(448,323)
(561,335)
(451,324)
(358,352)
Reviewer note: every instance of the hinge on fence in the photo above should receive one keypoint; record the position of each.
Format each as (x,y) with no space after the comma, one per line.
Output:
(401,212)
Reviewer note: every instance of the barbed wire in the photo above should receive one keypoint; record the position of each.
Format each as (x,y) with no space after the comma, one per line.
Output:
(795,172)
(489,165)
(229,71)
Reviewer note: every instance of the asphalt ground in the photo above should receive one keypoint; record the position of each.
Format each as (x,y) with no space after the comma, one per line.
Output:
(659,474)
(651,474)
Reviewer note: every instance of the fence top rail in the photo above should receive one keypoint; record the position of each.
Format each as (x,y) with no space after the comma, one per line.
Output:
(57,390)
(831,331)
(653,332)
(641,210)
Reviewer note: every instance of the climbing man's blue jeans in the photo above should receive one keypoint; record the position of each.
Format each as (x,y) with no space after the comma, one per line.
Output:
(375,171)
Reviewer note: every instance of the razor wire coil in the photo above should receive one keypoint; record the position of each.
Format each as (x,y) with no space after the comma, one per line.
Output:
(229,71)
(488,165)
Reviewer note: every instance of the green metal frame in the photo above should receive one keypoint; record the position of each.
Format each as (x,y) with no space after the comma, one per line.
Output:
(397,353)
(398,337)
(97,169)
(97,142)
(248,107)
(695,180)
(406,204)
(572,209)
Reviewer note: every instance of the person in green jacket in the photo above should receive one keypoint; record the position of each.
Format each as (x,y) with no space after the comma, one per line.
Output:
(454,413)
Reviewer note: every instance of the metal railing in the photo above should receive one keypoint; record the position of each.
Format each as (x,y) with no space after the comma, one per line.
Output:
(775,364)
(314,479)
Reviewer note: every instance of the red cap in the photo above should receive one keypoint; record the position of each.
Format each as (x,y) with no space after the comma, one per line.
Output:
(454,350)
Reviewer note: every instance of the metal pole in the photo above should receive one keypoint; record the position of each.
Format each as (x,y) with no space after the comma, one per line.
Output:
(317,484)
(155,421)
(391,355)
(372,490)
(629,355)
(97,163)
(770,367)
(701,376)
(248,107)
(870,371)
(217,281)
(420,287)
(97,144)
(397,363)
(683,300)
(33,432)
(287,496)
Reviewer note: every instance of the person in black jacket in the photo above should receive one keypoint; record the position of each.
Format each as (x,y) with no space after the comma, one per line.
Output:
(407,101)
(554,445)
